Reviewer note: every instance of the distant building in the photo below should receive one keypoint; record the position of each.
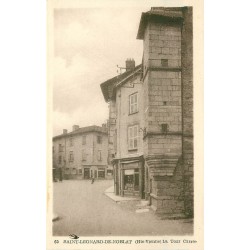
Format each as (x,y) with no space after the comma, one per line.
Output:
(82,153)
(151,115)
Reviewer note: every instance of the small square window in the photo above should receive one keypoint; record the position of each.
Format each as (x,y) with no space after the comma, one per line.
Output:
(164,128)
(164,62)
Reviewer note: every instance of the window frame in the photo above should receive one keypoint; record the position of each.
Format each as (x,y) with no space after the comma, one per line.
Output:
(71,156)
(99,155)
(84,155)
(71,141)
(99,139)
(132,104)
(134,138)
(84,140)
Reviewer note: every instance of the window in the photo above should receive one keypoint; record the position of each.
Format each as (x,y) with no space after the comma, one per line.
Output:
(164,128)
(84,156)
(60,159)
(99,155)
(71,142)
(83,139)
(101,173)
(71,156)
(99,139)
(164,62)
(133,137)
(133,103)
(79,171)
(60,148)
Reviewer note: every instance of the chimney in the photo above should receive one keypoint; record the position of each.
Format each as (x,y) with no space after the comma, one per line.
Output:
(65,131)
(130,64)
(75,127)
(104,125)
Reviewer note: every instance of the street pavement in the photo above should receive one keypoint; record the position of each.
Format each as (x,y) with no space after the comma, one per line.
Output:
(85,210)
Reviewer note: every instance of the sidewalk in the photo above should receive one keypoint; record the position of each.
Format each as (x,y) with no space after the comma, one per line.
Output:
(110,193)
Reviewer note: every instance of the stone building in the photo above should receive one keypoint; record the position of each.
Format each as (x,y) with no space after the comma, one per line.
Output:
(82,153)
(151,115)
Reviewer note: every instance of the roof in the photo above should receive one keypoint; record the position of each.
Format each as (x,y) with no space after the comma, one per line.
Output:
(159,14)
(108,87)
(83,130)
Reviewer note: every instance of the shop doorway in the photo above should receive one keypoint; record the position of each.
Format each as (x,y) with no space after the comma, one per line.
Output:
(86,173)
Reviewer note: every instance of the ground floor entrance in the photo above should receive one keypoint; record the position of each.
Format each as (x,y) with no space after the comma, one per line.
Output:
(86,173)
(129,177)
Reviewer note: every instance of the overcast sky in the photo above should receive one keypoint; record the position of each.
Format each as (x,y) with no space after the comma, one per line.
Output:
(88,44)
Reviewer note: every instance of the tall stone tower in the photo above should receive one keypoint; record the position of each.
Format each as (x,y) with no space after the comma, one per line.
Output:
(168,109)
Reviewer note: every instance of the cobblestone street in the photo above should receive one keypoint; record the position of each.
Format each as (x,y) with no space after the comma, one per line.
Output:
(85,210)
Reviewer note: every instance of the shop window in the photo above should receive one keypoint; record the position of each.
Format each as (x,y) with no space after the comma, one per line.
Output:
(109,172)
(133,103)
(101,173)
(131,179)
(133,137)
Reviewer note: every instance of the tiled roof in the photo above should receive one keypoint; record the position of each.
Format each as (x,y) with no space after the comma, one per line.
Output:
(82,130)
(107,87)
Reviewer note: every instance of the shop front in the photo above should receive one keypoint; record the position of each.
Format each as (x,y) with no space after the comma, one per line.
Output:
(129,177)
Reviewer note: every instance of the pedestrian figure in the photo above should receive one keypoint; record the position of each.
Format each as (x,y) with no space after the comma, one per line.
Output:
(92,180)
(60,174)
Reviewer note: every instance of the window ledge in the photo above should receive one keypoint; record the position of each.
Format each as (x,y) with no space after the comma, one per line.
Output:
(133,150)
(133,113)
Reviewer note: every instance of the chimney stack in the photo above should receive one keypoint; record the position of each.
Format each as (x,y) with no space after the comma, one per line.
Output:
(75,127)
(65,131)
(130,64)
(104,125)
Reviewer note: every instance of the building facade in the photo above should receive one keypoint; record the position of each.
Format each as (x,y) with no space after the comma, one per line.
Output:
(151,115)
(82,153)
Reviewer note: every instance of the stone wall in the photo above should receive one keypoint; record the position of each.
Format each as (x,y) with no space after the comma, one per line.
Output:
(168,99)
(187,99)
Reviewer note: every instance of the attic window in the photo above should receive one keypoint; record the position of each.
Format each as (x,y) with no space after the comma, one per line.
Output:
(164,62)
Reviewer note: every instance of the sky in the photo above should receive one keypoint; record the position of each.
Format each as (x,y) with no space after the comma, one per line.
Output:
(89,43)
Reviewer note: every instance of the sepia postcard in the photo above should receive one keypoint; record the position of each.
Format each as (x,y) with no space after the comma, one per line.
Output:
(125,125)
